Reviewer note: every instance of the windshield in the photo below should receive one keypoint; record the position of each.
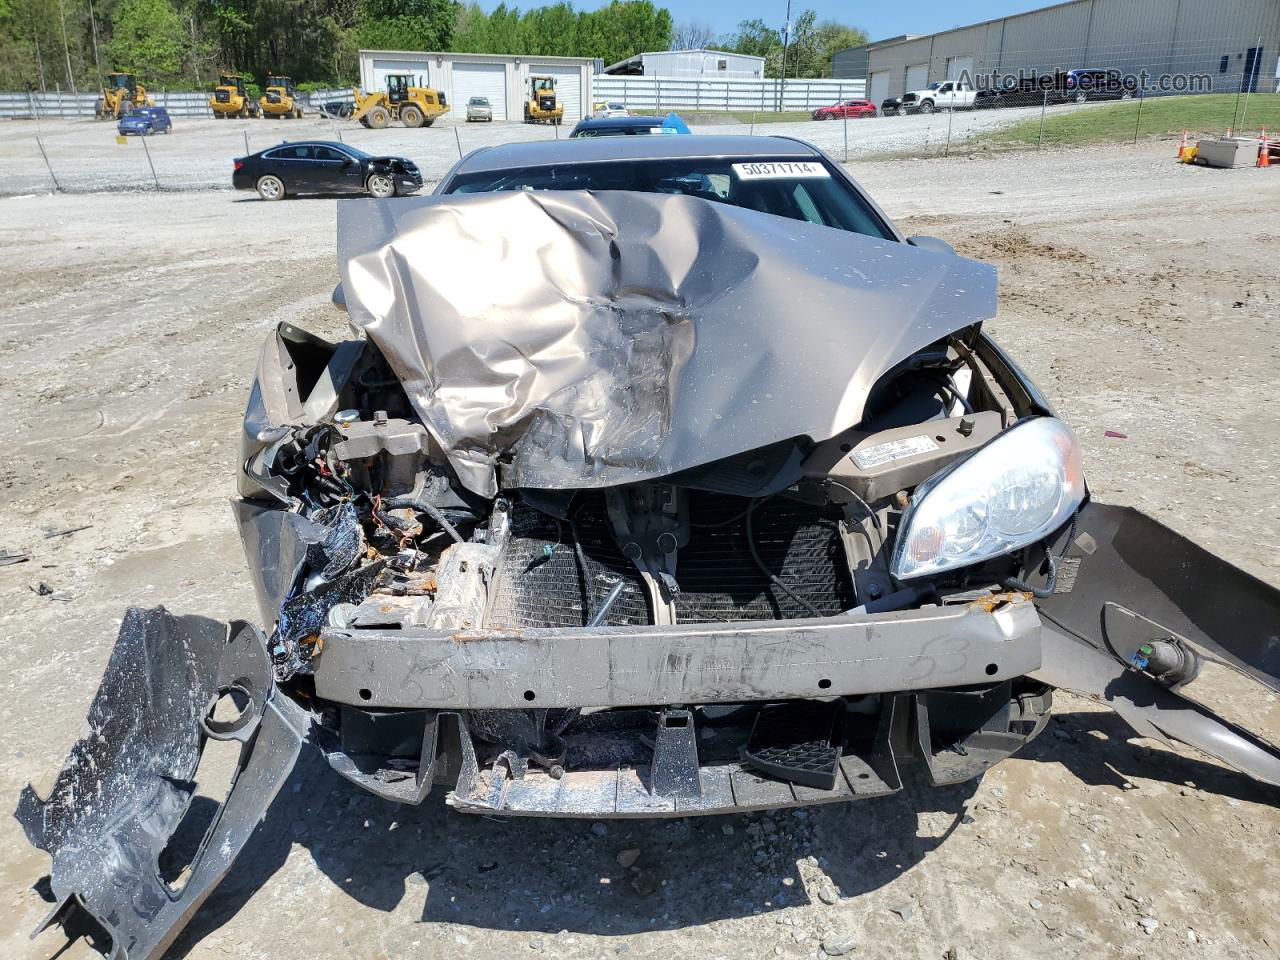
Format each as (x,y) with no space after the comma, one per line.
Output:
(120,82)
(612,131)
(799,190)
(544,83)
(935,86)
(478,102)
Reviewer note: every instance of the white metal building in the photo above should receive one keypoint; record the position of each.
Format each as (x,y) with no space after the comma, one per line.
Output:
(503,78)
(690,65)
(1235,42)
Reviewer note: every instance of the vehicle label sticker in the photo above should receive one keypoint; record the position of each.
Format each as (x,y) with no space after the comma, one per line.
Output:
(780,170)
(892,450)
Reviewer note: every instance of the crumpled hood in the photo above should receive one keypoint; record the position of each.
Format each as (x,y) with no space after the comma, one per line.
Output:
(576,339)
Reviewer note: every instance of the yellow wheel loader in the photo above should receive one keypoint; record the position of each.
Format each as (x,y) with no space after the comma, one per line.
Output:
(280,99)
(231,98)
(412,106)
(121,94)
(541,105)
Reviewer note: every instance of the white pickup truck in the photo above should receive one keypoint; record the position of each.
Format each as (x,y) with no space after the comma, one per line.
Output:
(943,95)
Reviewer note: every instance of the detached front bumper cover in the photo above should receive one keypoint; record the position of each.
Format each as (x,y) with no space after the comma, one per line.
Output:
(129,781)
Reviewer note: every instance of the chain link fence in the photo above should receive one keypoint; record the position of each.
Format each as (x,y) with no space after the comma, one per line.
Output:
(982,89)
(941,106)
(88,156)
(34,105)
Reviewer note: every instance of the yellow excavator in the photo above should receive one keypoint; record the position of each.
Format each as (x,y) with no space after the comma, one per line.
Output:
(541,105)
(412,106)
(231,98)
(121,94)
(280,99)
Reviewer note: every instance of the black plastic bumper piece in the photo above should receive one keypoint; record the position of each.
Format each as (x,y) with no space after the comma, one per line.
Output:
(687,761)
(798,743)
(126,787)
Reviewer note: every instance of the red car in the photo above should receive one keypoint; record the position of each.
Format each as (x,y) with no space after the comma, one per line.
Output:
(846,108)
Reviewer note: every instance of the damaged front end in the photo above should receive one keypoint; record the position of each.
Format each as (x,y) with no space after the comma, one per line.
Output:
(712,513)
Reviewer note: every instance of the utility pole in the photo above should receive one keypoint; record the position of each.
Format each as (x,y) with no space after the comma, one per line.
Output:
(786,41)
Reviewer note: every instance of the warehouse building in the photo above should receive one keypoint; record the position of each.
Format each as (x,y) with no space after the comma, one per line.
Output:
(1235,43)
(690,65)
(502,78)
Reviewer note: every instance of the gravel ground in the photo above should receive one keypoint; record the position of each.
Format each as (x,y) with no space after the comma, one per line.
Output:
(85,156)
(1141,295)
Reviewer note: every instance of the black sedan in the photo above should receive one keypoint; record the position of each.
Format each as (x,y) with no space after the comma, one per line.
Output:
(322,166)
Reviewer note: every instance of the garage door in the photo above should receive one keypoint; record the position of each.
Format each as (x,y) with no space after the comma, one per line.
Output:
(878,89)
(960,68)
(917,77)
(488,80)
(568,88)
(418,69)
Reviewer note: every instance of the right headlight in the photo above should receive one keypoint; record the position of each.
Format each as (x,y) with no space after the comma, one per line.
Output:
(1016,490)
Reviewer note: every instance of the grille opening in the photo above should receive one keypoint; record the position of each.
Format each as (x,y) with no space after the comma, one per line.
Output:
(800,544)
(541,583)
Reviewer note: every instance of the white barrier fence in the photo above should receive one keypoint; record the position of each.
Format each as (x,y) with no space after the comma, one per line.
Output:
(638,93)
(186,103)
(763,96)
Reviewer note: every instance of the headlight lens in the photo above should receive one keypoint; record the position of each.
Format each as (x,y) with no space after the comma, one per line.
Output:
(1016,490)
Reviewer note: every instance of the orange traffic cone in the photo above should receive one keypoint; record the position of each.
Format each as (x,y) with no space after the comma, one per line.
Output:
(1182,148)
(1264,151)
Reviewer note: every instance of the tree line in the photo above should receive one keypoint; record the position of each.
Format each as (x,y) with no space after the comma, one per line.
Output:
(182,44)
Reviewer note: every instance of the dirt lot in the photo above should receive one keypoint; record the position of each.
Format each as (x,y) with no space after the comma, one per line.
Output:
(1142,296)
(85,157)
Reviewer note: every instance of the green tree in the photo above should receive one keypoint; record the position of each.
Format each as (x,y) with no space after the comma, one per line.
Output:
(833,37)
(624,28)
(809,50)
(406,24)
(147,39)
(504,33)
(470,29)
(754,38)
(551,31)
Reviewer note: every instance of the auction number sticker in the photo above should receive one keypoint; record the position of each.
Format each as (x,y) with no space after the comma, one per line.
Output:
(780,170)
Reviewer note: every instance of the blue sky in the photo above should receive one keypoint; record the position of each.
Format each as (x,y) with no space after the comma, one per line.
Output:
(880,20)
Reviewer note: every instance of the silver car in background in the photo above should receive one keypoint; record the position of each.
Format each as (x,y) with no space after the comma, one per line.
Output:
(478,108)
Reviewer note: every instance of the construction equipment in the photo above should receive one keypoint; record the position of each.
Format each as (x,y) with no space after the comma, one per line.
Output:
(121,94)
(231,98)
(412,106)
(280,99)
(541,105)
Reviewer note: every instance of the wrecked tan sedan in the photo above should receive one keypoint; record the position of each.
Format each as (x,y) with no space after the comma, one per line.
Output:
(662,476)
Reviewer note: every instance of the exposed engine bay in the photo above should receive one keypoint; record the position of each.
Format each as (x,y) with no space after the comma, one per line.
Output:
(684,509)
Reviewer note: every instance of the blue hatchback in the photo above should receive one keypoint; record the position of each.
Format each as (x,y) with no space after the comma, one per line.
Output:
(145,121)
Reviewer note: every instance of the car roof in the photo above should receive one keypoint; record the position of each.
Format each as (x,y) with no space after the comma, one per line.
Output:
(608,122)
(593,149)
(310,143)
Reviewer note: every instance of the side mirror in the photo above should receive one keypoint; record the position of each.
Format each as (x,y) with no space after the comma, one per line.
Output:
(935,244)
